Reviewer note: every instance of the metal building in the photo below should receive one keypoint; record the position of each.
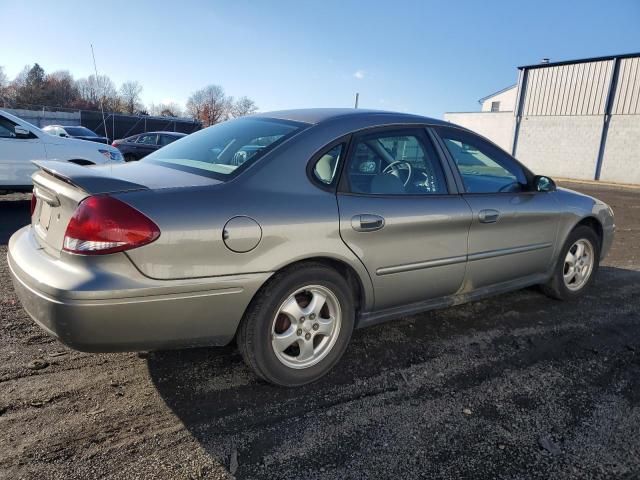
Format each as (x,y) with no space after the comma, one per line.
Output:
(576,119)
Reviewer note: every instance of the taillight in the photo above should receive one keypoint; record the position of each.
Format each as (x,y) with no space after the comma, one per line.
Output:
(104,224)
(33,204)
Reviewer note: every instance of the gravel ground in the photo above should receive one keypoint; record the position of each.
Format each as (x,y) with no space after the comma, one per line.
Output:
(517,386)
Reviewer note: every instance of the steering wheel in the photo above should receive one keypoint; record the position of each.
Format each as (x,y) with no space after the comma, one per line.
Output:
(394,169)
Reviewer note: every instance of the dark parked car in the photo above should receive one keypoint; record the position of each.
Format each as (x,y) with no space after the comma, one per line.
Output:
(139,146)
(79,132)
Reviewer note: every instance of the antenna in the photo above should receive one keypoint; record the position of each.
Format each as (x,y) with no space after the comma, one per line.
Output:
(357,98)
(95,68)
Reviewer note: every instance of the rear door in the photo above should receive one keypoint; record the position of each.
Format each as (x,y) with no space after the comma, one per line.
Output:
(16,155)
(514,228)
(165,140)
(401,215)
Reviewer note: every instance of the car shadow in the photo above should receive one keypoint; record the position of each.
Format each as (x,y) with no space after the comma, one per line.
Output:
(14,214)
(222,403)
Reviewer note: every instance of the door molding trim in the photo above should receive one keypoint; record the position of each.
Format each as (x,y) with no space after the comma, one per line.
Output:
(408,267)
(508,251)
(439,262)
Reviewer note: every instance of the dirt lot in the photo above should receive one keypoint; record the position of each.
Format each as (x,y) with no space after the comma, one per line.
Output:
(518,386)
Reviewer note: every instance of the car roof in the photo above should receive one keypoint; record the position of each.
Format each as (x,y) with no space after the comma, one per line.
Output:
(67,126)
(320,115)
(178,134)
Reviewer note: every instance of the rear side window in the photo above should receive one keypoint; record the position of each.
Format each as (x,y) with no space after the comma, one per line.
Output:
(167,139)
(224,150)
(483,167)
(327,165)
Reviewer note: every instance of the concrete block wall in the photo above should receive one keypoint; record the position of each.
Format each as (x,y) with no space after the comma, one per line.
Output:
(496,126)
(43,118)
(560,146)
(621,161)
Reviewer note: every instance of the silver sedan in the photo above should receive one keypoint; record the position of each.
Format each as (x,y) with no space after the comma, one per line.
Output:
(287,230)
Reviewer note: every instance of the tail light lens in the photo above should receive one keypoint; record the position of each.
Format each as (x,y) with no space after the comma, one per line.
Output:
(104,224)
(33,203)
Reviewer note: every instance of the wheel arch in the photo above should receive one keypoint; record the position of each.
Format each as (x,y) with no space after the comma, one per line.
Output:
(593,223)
(361,296)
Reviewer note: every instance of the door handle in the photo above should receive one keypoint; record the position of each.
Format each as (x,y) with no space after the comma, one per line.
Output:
(488,216)
(367,222)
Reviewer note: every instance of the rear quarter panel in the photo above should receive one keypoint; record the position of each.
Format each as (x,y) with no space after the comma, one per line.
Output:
(298,221)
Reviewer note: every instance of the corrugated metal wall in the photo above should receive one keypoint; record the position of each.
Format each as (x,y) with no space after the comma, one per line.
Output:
(581,119)
(627,95)
(575,89)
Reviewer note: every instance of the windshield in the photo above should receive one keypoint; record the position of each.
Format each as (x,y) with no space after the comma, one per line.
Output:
(79,132)
(222,151)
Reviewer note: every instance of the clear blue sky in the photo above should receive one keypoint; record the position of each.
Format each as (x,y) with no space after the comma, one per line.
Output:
(426,57)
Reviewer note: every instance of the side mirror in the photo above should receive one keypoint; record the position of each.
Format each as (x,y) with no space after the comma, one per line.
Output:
(21,132)
(544,184)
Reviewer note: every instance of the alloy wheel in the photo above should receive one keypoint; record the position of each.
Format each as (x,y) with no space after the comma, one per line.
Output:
(306,326)
(578,264)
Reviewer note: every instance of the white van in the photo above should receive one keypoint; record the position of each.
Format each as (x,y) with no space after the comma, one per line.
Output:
(21,142)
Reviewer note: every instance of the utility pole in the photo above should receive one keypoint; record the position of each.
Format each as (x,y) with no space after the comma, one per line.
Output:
(95,68)
(357,97)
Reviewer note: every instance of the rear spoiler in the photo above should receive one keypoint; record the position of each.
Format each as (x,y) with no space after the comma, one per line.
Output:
(90,179)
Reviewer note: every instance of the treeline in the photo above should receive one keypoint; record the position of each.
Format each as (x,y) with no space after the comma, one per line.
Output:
(33,87)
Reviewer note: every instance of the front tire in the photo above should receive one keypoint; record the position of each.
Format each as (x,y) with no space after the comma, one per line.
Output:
(577,265)
(298,326)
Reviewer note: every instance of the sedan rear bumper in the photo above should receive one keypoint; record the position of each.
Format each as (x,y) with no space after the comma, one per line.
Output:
(106,305)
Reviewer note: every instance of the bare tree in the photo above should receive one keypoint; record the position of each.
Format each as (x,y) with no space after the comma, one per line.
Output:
(210,105)
(60,89)
(94,90)
(3,78)
(242,107)
(167,109)
(195,104)
(130,92)
(4,83)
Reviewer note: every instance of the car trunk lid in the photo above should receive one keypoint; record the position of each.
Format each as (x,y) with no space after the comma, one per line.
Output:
(60,186)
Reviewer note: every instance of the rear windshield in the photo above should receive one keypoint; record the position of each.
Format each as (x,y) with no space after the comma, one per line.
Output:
(79,132)
(224,150)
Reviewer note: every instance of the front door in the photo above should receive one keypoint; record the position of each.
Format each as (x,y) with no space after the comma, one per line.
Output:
(146,144)
(401,216)
(514,228)
(16,155)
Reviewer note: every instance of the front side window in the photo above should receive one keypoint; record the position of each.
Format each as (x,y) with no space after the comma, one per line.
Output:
(388,163)
(483,167)
(223,150)
(80,132)
(7,128)
(327,165)
(147,139)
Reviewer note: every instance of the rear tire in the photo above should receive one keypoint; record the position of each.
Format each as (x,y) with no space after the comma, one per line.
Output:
(577,265)
(298,326)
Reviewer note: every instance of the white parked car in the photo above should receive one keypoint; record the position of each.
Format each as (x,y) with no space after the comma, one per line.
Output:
(21,142)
